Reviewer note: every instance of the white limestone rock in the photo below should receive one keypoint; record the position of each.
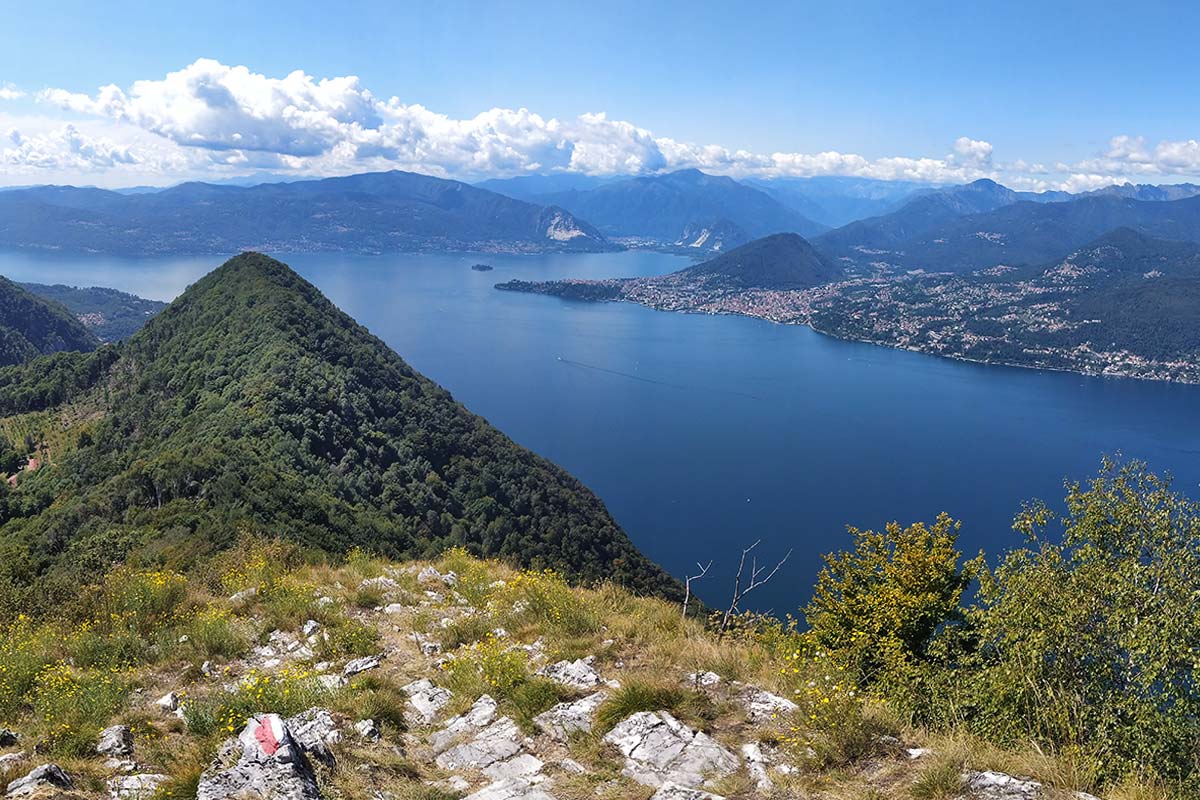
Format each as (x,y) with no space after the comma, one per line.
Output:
(564,719)
(478,716)
(315,731)
(518,789)
(136,787)
(115,741)
(762,705)
(499,741)
(659,749)
(523,765)
(45,776)
(426,699)
(577,674)
(702,680)
(357,665)
(673,791)
(270,764)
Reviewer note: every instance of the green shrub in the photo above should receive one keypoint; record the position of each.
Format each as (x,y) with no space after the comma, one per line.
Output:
(489,666)
(878,606)
(1090,638)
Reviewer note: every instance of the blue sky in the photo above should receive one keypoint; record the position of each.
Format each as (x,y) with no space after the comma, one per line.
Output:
(1048,86)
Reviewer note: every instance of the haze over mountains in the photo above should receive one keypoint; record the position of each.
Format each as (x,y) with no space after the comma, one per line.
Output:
(373,212)
(685,209)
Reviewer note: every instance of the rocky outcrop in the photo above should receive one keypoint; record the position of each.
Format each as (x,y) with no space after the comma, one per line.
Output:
(577,674)
(315,731)
(136,787)
(761,705)
(660,749)
(565,719)
(673,791)
(426,700)
(115,742)
(518,789)
(47,776)
(999,786)
(359,665)
(271,765)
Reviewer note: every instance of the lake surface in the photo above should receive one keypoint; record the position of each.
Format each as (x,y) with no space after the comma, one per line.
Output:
(702,433)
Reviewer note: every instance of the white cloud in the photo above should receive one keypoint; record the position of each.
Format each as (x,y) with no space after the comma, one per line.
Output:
(64,149)
(10,92)
(218,119)
(1130,156)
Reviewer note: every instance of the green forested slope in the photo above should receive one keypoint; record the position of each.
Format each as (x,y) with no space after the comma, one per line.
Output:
(31,326)
(252,403)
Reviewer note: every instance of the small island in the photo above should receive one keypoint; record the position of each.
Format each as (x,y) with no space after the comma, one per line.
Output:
(482,267)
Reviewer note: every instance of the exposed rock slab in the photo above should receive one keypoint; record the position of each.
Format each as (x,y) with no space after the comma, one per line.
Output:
(660,749)
(499,741)
(564,719)
(577,674)
(271,766)
(763,705)
(511,790)
(426,699)
(673,791)
(115,741)
(136,787)
(46,776)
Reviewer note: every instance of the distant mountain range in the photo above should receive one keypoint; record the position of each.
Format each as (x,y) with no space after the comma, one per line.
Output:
(374,212)
(983,224)
(32,326)
(688,210)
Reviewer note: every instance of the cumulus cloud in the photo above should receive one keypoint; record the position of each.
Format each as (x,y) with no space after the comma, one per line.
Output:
(10,92)
(1131,156)
(336,124)
(219,118)
(65,149)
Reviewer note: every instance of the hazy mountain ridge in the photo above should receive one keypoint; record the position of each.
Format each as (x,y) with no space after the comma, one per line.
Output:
(371,212)
(687,209)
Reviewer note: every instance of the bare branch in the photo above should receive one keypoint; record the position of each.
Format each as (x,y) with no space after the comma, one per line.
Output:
(687,584)
(756,579)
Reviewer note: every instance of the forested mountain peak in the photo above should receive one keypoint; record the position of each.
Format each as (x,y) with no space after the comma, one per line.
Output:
(780,261)
(253,403)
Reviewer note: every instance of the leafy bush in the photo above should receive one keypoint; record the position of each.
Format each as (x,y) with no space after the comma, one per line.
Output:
(1090,641)
(878,606)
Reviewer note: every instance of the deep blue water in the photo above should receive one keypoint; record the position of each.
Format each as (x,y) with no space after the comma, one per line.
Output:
(702,433)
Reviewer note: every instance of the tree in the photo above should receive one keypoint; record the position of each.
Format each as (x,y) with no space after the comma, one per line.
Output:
(1091,640)
(879,605)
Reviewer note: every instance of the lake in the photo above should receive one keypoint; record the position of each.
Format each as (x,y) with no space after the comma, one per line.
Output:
(703,434)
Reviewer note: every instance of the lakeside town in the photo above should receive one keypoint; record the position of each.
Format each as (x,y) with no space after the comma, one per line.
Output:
(986,317)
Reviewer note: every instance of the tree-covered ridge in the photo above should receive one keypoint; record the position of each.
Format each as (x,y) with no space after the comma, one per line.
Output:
(111,315)
(252,402)
(31,326)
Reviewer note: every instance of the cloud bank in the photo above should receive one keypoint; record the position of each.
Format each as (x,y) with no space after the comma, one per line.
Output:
(212,119)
